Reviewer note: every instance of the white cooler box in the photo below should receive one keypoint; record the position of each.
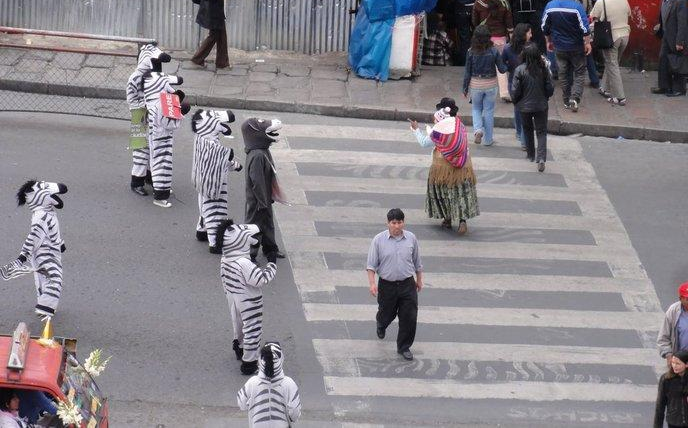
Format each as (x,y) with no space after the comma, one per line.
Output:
(407,46)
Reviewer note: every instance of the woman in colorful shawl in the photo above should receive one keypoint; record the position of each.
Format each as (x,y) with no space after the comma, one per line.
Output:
(451,193)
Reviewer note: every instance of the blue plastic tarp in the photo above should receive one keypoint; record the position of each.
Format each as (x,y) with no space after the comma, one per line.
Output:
(382,10)
(370,46)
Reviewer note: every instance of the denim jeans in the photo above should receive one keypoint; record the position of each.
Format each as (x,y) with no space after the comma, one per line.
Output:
(518,124)
(483,102)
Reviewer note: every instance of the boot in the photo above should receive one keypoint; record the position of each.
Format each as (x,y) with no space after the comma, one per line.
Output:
(237,349)
(249,367)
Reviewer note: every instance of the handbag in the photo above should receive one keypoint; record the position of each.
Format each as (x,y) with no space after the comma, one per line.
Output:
(603,32)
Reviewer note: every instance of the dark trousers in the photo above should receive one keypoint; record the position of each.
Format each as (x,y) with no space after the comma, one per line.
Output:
(535,121)
(668,80)
(266,238)
(462,21)
(218,36)
(572,67)
(398,298)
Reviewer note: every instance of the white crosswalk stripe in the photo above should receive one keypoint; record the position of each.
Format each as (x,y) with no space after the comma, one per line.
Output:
(348,190)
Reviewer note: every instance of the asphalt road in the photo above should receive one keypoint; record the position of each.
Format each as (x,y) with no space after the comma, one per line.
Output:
(139,286)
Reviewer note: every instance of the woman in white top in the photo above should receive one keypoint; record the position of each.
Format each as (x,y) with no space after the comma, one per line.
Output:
(617,12)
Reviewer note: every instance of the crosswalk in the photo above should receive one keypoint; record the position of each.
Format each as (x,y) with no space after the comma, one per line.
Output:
(542,314)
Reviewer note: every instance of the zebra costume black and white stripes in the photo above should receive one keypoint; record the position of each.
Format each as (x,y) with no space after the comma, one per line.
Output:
(150,59)
(160,133)
(243,284)
(271,398)
(44,245)
(211,164)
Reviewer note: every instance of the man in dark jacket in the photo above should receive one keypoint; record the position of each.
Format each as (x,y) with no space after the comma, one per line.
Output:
(674,26)
(260,177)
(211,16)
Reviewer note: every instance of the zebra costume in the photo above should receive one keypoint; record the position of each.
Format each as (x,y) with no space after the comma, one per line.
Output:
(211,164)
(150,59)
(161,132)
(271,398)
(44,246)
(242,281)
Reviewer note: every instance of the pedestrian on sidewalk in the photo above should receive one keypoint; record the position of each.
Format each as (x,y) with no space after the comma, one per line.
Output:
(671,394)
(211,16)
(674,31)
(436,47)
(673,335)
(270,397)
(530,12)
(496,15)
(512,59)
(451,193)
(532,90)
(395,257)
(617,12)
(480,78)
(567,32)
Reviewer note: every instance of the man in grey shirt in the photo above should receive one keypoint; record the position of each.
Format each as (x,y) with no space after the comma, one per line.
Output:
(395,257)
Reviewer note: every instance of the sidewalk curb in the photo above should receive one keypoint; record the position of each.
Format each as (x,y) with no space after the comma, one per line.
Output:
(555,126)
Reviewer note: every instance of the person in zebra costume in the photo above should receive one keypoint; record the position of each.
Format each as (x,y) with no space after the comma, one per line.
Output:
(271,398)
(259,134)
(243,284)
(161,131)
(150,59)
(44,246)
(209,172)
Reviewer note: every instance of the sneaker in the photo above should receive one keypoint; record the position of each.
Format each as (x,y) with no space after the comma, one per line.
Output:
(162,203)
(524,148)
(604,93)
(573,105)
(617,101)
(139,190)
(478,137)
(541,166)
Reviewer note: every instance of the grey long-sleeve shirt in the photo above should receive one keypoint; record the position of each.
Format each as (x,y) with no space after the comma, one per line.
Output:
(394,259)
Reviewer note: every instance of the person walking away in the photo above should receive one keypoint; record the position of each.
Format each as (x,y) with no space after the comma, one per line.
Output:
(451,192)
(496,15)
(567,32)
(673,335)
(671,394)
(511,56)
(590,65)
(211,16)
(674,30)
(617,12)
(436,47)
(395,257)
(480,78)
(532,90)
(458,16)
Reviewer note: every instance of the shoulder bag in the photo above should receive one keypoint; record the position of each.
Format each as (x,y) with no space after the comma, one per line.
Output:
(603,32)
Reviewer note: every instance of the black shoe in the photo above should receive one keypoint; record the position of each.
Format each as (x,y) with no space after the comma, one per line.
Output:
(595,85)
(657,90)
(202,236)
(279,254)
(139,190)
(541,166)
(380,333)
(249,367)
(214,250)
(408,356)
(237,349)
(675,94)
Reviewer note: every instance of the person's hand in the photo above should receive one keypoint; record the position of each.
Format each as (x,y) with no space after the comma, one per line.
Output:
(588,48)
(668,359)
(550,46)
(414,124)
(419,285)
(373,290)
(679,48)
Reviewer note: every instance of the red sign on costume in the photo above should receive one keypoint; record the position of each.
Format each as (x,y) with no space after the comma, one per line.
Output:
(171,107)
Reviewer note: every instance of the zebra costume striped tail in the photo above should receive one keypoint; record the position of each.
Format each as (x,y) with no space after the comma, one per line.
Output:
(271,398)
(242,282)
(44,245)
(150,59)
(209,172)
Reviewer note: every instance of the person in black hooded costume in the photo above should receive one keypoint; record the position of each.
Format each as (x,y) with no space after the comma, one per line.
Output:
(260,173)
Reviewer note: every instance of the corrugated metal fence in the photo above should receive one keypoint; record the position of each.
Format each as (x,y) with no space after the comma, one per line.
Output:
(307,26)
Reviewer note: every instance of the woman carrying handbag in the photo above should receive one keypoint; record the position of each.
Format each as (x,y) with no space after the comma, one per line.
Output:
(611,37)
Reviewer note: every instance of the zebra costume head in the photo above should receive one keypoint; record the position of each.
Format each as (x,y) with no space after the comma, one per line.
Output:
(260,133)
(41,194)
(153,83)
(270,362)
(151,58)
(212,123)
(235,240)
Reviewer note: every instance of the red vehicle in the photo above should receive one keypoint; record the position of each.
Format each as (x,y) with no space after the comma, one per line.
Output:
(31,364)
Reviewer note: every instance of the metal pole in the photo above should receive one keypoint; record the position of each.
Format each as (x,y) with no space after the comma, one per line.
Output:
(13,30)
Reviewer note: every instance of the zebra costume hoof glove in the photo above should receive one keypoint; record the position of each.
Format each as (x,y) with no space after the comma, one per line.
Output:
(139,190)
(249,367)
(162,203)
(237,349)
(214,250)
(202,236)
